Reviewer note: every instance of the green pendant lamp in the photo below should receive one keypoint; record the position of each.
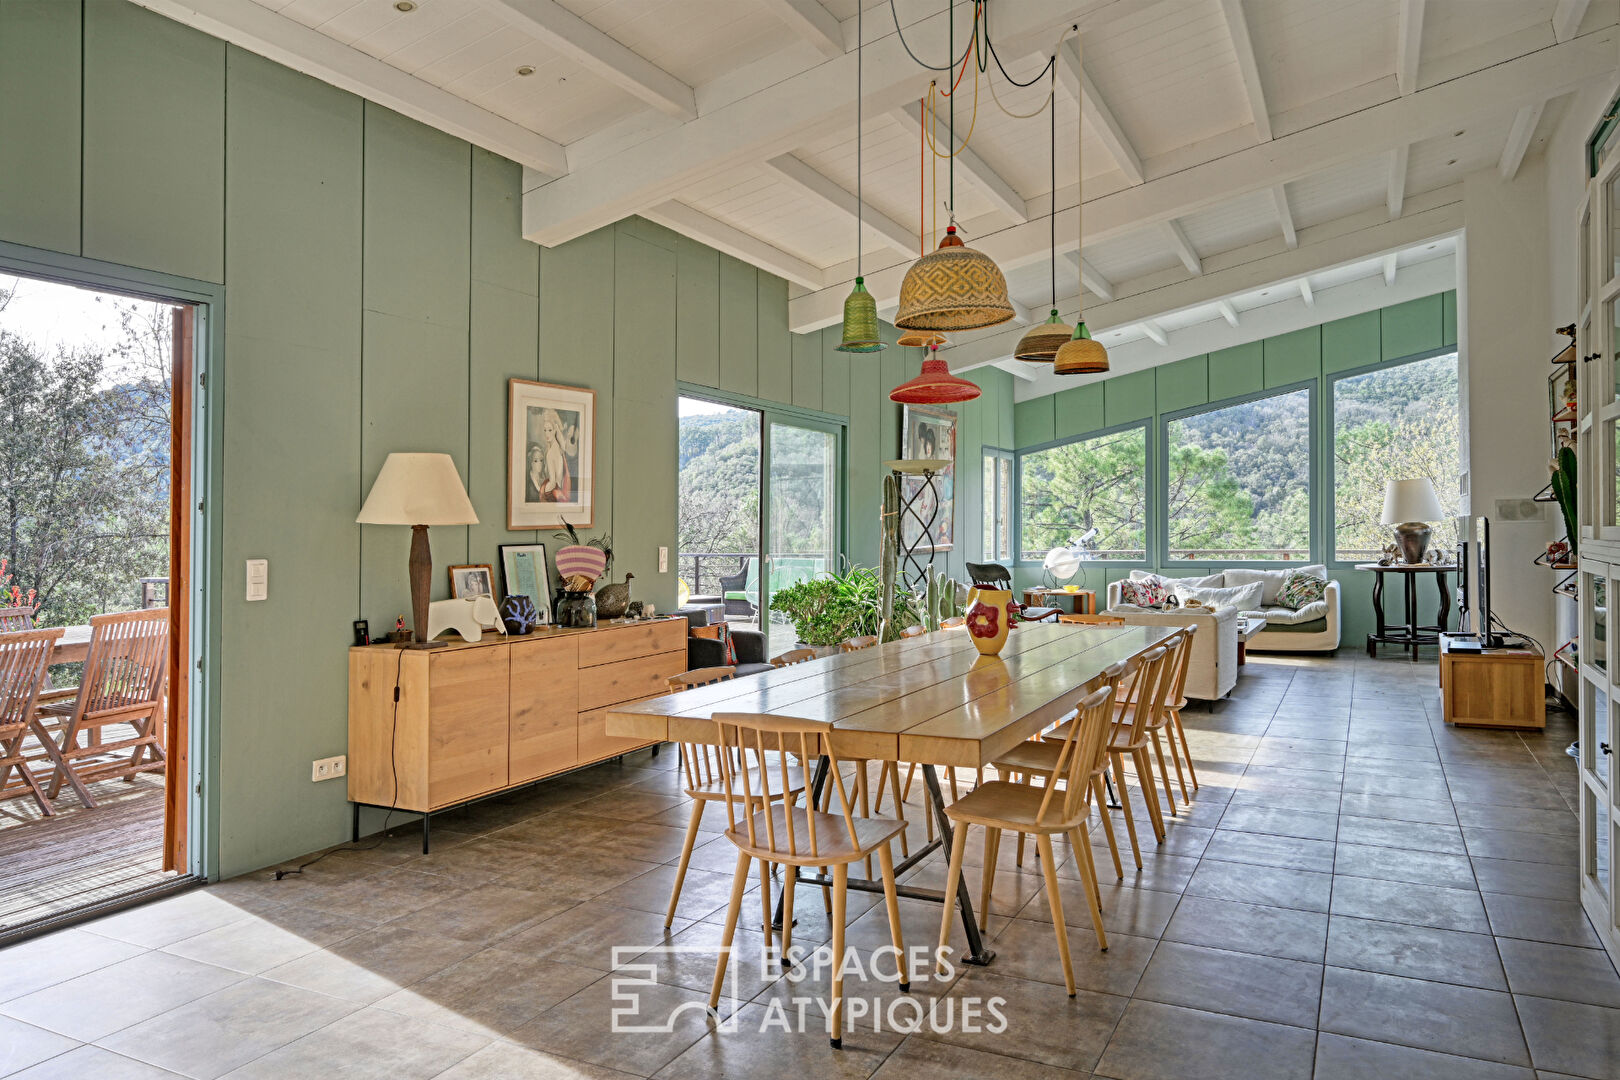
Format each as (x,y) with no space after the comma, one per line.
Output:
(860,307)
(1080,355)
(1040,344)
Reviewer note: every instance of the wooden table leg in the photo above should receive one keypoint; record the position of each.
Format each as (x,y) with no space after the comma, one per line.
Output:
(1443,620)
(1411,614)
(1378,614)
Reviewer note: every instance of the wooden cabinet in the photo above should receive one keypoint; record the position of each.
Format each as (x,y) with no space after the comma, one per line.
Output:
(1497,688)
(471,719)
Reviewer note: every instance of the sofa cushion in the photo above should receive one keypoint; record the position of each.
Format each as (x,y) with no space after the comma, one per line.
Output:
(1277,615)
(1315,626)
(1273,580)
(1301,588)
(1142,593)
(1241,597)
(1211,581)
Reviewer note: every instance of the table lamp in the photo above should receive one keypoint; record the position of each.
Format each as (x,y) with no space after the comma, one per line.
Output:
(1409,505)
(418,490)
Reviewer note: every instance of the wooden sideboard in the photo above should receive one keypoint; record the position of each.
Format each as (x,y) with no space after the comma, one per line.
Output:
(473,719)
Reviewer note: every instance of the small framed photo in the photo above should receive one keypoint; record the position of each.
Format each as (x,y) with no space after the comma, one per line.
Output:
(525,572)
(469,582)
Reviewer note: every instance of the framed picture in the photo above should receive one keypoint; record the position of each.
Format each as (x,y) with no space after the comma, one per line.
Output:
(929,432)
(551,444)
(467,582)
(524,572)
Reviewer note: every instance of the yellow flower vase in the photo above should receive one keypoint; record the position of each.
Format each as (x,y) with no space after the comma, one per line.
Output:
(987,619)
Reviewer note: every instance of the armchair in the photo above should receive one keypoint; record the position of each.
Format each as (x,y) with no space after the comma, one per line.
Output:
(996,576)
(705,652)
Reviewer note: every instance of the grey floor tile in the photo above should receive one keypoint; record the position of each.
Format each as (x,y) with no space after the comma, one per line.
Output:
(1560,971)
(1027,950)
(921,1055)
(267,939)
(586,935)
(1527,878)
(1251,884)
(1252,928)
(1241,984)
(92,1061)
(1416,836)
(1517,819)
(102,1002)
(165,921)
(1404,902)
(1159,1042)
(1423,811)
(374,964)
(1421,952)
(372,1044)
(1400,864)
(1043,1024)
(1273,822)
(1289,852)
(1342,1058)
(53,958)
(460,995)
(508,1061)
(582,1027)
(1523,846)
(22,1045)
(1450,1019)
(1562,922)
(1572,1038)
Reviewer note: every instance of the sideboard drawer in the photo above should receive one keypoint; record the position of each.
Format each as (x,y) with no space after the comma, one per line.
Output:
(631,641)
(594,741)
(628,680)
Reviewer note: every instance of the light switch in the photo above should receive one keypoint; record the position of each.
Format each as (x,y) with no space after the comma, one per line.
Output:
(663,560)
(258,579)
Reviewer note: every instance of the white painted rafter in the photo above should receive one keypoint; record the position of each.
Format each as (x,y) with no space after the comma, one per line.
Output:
(829,192)
(1567,18)
(1018,369)
(275,37)
(1238,27)
(577,39)
(1518,140)
(1409,45)
(1176,237)
(811,21)
(973,169)
(1395,189)
(1100,287)
(1305,292)
(1098,115)
(1228,312)
(733,241)
(1391,266)
(1154,331)
(1285,216)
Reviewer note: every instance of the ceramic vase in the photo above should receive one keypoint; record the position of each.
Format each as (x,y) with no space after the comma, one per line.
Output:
(988,619)
(519,614)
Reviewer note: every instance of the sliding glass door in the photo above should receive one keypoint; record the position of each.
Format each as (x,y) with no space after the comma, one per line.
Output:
(802,508)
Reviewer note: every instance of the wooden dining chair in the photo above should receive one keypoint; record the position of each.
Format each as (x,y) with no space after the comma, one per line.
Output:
(24,656)
(856,644)
(125,673)
(915,630)
(702,676)
(793,656)
(1164,722)
(888,771)
(1046,811)
(952,623)
(780,833)
(1092,620)
(1177,701)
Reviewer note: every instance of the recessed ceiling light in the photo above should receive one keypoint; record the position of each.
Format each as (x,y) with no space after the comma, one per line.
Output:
(1453,161)
(525,69)
(1433,246)
(1459,134)
(1266,293)
(406,6)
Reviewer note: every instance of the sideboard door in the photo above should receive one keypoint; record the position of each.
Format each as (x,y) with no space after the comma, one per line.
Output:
(544,717)
(467,724)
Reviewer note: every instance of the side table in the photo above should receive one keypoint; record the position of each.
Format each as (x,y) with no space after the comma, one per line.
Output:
(1409,634)
(1084,601)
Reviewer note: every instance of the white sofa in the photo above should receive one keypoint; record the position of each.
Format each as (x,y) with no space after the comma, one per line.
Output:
(1212,669)
(1313,628)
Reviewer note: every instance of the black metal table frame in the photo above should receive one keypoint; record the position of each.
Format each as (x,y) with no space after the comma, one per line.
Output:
(1411,634)
(977,954)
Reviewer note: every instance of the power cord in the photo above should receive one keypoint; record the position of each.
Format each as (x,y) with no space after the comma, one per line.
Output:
(393,764)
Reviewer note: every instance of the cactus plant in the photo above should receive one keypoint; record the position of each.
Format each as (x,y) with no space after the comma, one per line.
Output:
(889,555)
(1563,485)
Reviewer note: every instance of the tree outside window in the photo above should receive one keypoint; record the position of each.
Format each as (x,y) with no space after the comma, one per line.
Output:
(1091,492)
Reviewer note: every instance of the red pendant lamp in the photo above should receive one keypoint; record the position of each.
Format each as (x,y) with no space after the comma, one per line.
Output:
(935,386)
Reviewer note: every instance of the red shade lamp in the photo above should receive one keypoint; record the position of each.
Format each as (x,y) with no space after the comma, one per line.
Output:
(935,386)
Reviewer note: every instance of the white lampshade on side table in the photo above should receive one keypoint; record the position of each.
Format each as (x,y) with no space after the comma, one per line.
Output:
(1410,505)
(418,490)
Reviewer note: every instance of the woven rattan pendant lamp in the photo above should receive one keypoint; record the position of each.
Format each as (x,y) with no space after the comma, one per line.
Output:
(860,307)
(1042,342)
(935,386)
(1080,355)
(954,287)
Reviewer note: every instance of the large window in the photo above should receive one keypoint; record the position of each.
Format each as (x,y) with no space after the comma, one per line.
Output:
(998,470)
(1091,493)
(1238,481)
(1391,424)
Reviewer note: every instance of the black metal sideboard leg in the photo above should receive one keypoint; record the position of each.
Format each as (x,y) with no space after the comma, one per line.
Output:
(426,818)
(354,832)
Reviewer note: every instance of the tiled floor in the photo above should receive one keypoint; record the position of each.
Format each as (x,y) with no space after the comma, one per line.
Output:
(1356,892)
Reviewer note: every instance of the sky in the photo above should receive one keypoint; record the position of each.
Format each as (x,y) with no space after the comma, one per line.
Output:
(51,315)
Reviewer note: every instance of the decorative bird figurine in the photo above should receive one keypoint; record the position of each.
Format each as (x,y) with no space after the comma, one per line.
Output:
(612,601)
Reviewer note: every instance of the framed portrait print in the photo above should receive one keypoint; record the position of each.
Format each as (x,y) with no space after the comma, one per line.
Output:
(930,432)
(467,582)
(551,444)
(524,572)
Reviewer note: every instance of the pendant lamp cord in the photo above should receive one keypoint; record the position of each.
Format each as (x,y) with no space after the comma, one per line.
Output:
(1052,216)
(860,72)
(1079,177)
(950,20)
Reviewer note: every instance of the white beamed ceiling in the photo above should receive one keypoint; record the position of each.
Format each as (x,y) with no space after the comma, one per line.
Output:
(1170,86)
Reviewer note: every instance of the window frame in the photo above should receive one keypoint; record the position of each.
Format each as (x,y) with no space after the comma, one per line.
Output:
(988,500)
(1161,491)
(1329,472)
(1150,511)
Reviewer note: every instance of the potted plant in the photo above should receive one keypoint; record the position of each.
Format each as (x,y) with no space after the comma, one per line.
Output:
(842,604)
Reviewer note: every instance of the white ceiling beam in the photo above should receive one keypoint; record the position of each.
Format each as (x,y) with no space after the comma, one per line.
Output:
(1022,316)
(1098,115)
(733,241)
(1390,268)
(1228,312)
(1366,133)
(1176,237)
(1567,18)
(275,37)
(1285,216)
(1019,369)
(583,43)
(1354,238)
(812,22)
(1100,287)
(1409,45)
(829,192)
(1395,193)
(1518,140)
(1238,27)
(1305,292)
(1154,331)
(972,168)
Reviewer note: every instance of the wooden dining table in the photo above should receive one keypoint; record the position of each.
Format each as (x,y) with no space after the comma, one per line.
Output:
(932,700)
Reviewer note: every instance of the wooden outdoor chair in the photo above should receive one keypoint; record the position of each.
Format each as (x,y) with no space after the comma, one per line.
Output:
(13,619)
(702,676)
(24,656)
(125,675)
(793,656)
(779,833)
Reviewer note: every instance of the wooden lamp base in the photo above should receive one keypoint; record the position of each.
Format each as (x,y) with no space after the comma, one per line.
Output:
(421,567)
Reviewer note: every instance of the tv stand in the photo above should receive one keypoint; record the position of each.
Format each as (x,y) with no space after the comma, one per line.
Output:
(1500,687)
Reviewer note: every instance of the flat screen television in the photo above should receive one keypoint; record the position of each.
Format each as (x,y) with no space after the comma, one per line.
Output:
(1474,579)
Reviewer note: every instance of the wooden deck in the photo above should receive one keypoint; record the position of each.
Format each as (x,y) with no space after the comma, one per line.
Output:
(52,865)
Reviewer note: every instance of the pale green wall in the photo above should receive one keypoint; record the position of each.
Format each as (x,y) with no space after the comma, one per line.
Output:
(378,297)
(1313,354)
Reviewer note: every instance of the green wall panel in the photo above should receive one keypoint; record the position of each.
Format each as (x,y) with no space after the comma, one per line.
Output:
(739,327)
(154,131)
(502,346)
(499,254)
(1035,421)
(418,183)
(1448,318)
(1293,357)
(1127,397)
(1181,385)
(644,443)
(697,314)
(1078,410)
(39,144)
(1350,343)
(775,348)
(835,369)
(865,455)
(894,368)
(807,374)
(1236,371)
(1413,327)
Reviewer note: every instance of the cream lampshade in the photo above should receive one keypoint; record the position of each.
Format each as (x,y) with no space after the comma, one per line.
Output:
(1409,505)
(418,490)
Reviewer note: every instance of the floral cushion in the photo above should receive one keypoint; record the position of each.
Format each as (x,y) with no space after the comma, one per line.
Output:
(1147,594)
(1300,588)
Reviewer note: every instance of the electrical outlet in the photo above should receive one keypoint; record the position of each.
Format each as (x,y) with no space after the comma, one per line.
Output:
(328,768)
